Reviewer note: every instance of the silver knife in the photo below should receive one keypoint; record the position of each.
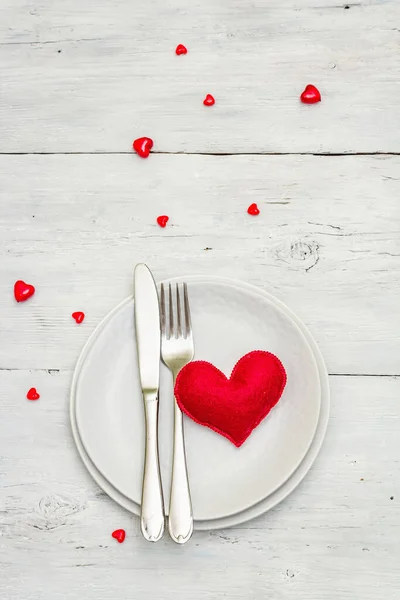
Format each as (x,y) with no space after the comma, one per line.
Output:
(147,325)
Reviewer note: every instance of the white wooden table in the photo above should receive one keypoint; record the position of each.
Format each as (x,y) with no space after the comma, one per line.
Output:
(79,81)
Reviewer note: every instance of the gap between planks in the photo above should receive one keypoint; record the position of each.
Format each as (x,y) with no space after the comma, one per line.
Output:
(100,152)
(54,371)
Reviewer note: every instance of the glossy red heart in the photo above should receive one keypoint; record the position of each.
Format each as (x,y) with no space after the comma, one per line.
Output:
(119,535)
(33,394)
(232,407)
(310,95)
(253,210)
(209,100)
(142,146)
(23,291)
(78,316)
(181,49)
(162,220)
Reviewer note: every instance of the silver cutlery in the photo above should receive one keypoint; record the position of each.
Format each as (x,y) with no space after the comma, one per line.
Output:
(147,325)
(177,350)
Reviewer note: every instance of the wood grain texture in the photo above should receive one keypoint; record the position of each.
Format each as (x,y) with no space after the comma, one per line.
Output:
(337,535)
(92,76)
(327,242)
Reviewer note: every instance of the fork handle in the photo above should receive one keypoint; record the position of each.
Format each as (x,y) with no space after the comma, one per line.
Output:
(180,522)
(152,518)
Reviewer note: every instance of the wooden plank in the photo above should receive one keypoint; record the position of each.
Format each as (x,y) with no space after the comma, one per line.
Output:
(338,534)
(326,242)
(90,77)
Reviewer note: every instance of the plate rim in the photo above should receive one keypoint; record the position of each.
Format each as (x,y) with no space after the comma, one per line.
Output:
(278,494)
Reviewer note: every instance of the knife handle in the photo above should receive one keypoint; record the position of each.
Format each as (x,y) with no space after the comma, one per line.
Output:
(180,518)
(152,519)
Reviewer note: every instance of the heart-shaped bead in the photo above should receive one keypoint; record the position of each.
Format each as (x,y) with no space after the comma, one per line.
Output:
(33,394)
(209,100)
(78,316)
(23,291)
(253,210)
(180,49)
(310,95)
(142,146)
(232,407)
(119,535)
(162,220)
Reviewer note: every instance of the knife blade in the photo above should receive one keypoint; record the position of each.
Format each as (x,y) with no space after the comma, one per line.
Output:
(148,340)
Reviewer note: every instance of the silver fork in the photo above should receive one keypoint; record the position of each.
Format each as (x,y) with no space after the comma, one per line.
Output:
(177,350)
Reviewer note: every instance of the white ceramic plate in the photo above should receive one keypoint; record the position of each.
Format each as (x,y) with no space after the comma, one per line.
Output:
(229,319)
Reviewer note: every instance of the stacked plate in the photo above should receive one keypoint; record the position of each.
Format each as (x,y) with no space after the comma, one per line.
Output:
(229,485)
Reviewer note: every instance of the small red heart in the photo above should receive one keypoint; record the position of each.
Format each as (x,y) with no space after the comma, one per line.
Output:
(253,209)
(119,535)
(78,316)
(310,95)
(181,49)
(209,100)
(162,220)
(23,291)
(32,394)
(232,407)
(142,146)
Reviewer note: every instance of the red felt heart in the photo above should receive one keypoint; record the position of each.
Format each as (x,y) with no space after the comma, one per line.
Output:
(142,146)
(33,394)
(78,316)
(232,407)
(162,220)
(119,535)
(23,291)
(209,100)
(181,49)
(310,95)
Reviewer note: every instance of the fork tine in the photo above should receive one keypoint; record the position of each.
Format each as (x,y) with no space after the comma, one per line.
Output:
(188,324)
(178,313)
(171,313)
(163,313)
